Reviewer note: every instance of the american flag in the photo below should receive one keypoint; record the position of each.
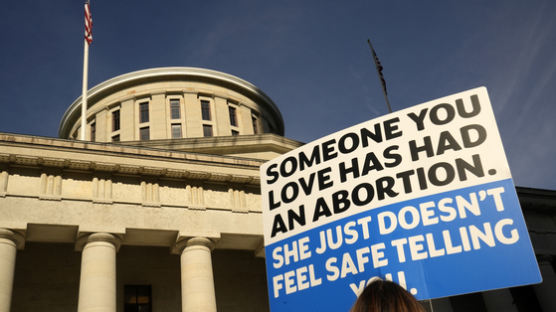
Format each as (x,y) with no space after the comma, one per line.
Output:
(379,68)
(88,24)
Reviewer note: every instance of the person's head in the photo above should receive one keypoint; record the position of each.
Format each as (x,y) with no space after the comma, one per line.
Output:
(385,296)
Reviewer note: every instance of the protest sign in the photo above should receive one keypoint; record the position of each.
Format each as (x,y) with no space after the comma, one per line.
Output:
(422,196)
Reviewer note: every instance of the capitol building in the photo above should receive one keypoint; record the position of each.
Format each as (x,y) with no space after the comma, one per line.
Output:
(159,208)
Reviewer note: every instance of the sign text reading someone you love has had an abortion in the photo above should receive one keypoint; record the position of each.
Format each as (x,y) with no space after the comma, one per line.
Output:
(422,196)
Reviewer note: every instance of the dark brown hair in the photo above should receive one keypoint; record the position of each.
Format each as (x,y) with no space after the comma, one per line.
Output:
(386,296)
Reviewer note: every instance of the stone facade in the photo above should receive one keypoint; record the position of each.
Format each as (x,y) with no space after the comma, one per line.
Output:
(98,199)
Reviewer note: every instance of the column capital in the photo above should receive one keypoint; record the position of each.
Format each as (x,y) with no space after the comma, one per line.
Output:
(113,239)
(201,241)
(17,238)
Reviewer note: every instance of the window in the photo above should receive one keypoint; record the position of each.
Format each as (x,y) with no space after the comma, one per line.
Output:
(144,134)
(144,112)
(137,298)
(116,138)
(176,131)
(205,110)
(175,109)
(93,131)
(233,117)
(116,120)
(255,121)
(235,133)
(207,130)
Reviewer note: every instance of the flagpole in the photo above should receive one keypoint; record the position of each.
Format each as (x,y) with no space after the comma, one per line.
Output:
(84,90)
(87,41)
(380,77)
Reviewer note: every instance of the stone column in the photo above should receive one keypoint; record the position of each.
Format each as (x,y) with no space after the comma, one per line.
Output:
(545,291)
(97,284)
(9,241)
(197,282)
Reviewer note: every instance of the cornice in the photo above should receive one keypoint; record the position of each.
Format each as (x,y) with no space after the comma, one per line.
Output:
(268,141)
(84,161)
(126,169)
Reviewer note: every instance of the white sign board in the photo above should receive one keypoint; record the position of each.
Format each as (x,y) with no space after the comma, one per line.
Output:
(422,196)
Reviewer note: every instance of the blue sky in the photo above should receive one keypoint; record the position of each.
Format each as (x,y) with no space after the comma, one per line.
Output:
(310,57)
